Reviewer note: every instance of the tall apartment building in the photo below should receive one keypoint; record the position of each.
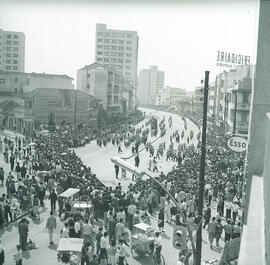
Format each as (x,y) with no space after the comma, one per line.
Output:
(12,49)
(151,81)
(118,49)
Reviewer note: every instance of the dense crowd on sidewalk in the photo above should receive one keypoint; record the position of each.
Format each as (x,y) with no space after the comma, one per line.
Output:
(120,209)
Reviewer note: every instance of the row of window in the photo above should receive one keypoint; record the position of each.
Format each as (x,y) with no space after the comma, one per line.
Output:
(114,34)
(9,42)
(115,99)
(8,67)
(113,47)
(120,54)
(10,49)
(15,55)
(10,36)
(8,61)
(114,41)
(113,60)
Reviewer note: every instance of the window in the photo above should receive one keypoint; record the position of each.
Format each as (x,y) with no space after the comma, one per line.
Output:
(109,99)
(128,61)
(100,33)
(15,42)
(128,67)
(128,54)
(15,90)
(8,61)
(129,35)
(8,42)
(99,59)
(8,49)
(8,67)
(30,104)
(245,98)
(8,55)
(15,61)
(88,86)
(120,60)
(15,49)
(244,116)
(99,53)
(15,37)
(121,41)
(15,55)
(15,67)
(16,79)
(100,46)
(129,42)
(115,100)
(127,73)
(9,36)
(129,48)
(88,75)
(100,40)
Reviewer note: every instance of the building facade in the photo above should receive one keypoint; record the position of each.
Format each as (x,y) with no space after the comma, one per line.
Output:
(12,51)
(107,84)
(198,99)
(118,49)
(151,84)
(18,83)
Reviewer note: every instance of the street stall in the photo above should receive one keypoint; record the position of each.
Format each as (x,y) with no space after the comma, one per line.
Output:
(70,193)
(69,251)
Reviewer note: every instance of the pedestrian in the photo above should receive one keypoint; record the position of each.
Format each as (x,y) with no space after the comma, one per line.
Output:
(155,164)
(122,254)
(18,256)
(2,174)
(131,212)
(161,220)
(87,232)
(84,254)
(23,233)
(36,207)
(112,253)
(228,231)
(116,168)
(53,199)
(158,246)
(98,238)
(137,160)
(51,225)
(18,170)
(119,229)
(2,254)
(219,229)
(212,231)
(119,148)
(12,160)
(207,216)
(104,246)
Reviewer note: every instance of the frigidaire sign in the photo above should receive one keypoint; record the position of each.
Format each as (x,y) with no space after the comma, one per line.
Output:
(228,59)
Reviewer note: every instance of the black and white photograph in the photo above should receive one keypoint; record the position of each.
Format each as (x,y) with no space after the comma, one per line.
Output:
(134,132)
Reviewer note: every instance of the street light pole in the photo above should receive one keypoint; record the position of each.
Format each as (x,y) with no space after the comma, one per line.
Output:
(202,173)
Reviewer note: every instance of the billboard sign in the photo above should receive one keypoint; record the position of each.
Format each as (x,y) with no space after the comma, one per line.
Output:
(231,59)
(237,144)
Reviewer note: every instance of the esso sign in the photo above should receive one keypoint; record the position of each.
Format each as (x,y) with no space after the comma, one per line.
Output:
(237,144)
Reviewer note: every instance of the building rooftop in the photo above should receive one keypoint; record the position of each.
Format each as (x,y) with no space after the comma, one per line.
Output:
(96,65)
(34,74)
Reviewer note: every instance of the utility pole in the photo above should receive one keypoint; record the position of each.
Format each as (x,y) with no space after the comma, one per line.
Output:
(202,172)
(235,109)
(75,110)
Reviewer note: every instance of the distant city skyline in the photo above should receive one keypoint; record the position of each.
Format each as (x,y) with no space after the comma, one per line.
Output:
(182,40)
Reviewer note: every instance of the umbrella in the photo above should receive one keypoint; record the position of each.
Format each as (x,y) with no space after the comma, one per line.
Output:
(64,154)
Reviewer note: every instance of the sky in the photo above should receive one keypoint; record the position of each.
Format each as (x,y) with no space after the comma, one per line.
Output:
(181,38)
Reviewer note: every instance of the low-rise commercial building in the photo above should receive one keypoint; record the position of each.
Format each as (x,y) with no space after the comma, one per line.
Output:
(107,84)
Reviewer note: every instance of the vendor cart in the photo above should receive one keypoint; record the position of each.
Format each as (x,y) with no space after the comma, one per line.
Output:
(69,250)
(142,242)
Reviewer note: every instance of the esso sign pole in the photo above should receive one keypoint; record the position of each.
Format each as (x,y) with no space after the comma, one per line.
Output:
(237,144)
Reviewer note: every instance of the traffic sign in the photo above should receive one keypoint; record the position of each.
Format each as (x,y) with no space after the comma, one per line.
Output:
(237,144)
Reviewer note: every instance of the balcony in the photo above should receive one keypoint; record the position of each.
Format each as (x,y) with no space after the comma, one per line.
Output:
(240,106)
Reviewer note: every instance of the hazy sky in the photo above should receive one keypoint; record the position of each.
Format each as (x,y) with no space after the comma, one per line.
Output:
(181,39)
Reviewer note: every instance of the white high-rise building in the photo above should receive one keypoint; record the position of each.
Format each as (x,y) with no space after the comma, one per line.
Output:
(151,81)
(118,49)
(12,49)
